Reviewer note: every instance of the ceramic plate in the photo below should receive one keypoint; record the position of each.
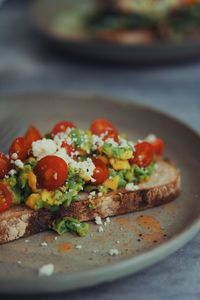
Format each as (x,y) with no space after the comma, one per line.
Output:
(177,222)
(62,22)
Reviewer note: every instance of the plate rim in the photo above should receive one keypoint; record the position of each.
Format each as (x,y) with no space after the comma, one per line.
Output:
(57,282)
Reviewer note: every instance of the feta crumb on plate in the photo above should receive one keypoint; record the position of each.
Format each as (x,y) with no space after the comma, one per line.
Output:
(100,229)
(43,244)
(78,246)
(46,270)
(113,252)
(98,220)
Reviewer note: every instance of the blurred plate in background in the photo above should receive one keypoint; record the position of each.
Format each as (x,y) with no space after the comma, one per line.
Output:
(62,23)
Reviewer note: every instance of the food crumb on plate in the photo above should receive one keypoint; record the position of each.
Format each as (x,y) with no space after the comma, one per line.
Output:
(100,229)
(98,220)
(78,246)
(44,244)
(113,252)
(46,270)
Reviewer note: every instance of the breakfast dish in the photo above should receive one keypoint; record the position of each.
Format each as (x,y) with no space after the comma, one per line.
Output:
(143,22)
(72,175)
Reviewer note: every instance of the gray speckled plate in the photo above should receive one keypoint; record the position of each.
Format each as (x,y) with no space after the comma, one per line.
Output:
(62,23)
(177,222)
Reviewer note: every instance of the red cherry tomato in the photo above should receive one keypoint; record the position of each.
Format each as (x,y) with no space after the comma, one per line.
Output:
(100,172)
(6,197)
(32,135)
(67,147)
(112,134)
(158,146)
(4,165)
(143,154)
(99,126)
(19,146)
(61,127)
(51,172)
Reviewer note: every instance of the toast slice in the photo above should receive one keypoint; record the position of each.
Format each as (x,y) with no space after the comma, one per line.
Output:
(163,186)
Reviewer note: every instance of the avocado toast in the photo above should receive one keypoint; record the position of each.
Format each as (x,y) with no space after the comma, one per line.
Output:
(70,176)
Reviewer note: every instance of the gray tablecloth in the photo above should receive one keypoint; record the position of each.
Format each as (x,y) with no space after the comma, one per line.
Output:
(26,65)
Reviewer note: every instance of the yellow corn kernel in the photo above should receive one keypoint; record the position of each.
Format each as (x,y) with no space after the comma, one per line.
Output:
(103,158)
(112,183)
(119,164)
(32,200)
(46,196)
(32,181)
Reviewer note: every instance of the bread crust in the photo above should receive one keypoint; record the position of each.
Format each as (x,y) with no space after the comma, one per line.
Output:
(20,221)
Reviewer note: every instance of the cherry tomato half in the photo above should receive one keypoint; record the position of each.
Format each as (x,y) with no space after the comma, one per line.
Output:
(143,154)
(158,146)
(4,165)
(61,127)
(51,172)
(32,135)
(6,197)
(19,146)
(99,126)
(100,172)
(112,134)
(67,147)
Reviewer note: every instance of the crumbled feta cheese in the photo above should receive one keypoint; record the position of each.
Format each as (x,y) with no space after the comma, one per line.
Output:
(107,220)
(78,246)
(131,187)
(87,166)
(55,238)
(98,220)
(151,138)
(123,143)
(44,244)
(18,163)
(113,252)
(93,193)
(112,142)
(100,194)
(97,141)
(43,148)
(14,156)
(95,251)
(100,229)
(46,270)
(140,141)
(12,172)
